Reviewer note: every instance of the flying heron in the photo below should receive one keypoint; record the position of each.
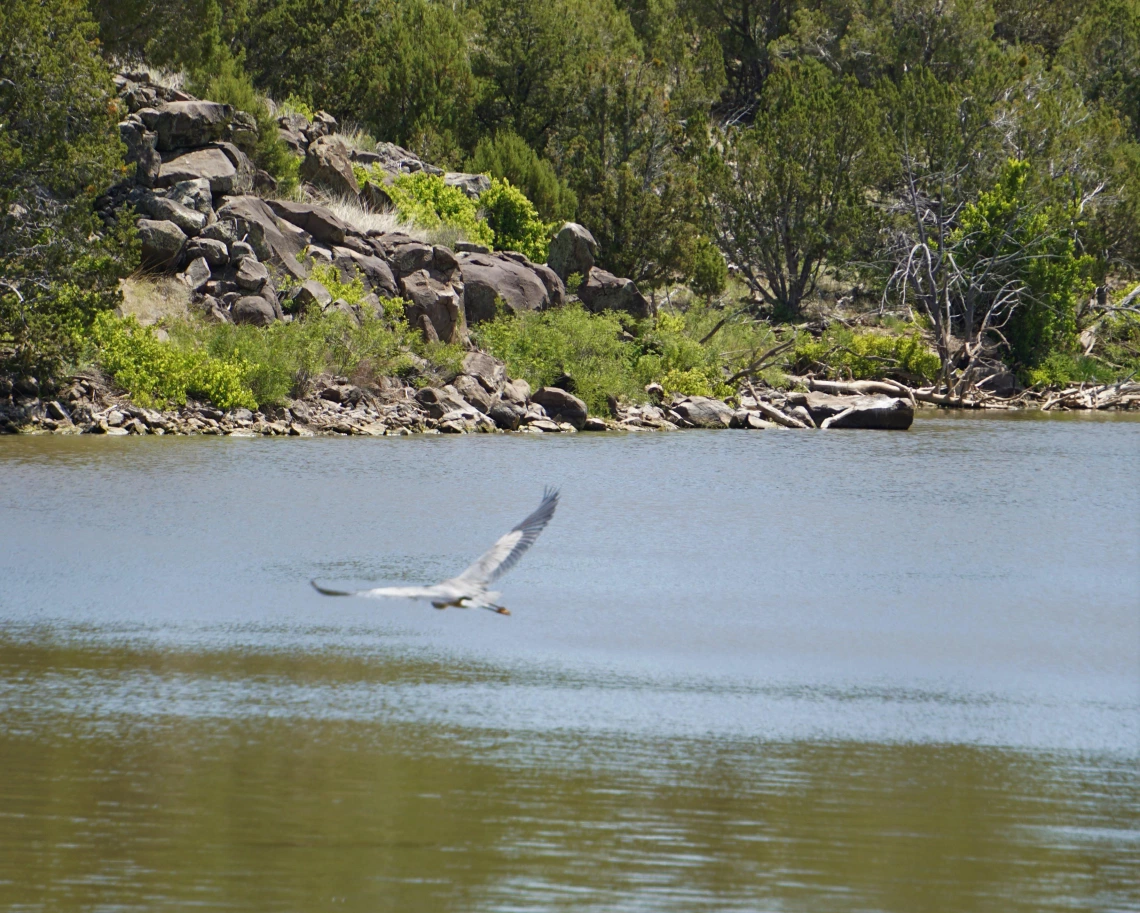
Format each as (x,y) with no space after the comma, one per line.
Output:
(469,589)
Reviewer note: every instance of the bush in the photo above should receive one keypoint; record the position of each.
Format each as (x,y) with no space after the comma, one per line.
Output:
(59,149)
(849,355)
(515,221)
(708,273)
(228,83)
(425,200)
(158,374)
(507,156)
(1060,369)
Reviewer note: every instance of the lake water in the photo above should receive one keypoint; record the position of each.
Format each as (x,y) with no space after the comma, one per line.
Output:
(760,671)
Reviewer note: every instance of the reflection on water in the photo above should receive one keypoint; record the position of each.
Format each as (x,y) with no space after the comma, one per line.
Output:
(746,672)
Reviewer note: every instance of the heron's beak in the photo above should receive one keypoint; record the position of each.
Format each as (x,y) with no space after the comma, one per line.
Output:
(503,610)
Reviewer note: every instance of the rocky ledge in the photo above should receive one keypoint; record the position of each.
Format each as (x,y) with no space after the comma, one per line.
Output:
(481,399)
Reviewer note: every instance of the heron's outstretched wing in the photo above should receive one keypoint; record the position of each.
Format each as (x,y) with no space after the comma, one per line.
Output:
(505,553)
(396,592)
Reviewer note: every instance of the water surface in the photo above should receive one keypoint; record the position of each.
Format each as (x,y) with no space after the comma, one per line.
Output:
(754,671)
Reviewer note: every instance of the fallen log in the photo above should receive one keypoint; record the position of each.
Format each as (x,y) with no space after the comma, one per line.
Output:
(773,413)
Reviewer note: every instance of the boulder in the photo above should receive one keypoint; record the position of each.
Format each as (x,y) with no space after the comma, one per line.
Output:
(141,151)
(490,372)
(188,123)
(704,412)
(189,220)
(506,415)
(877,411)
(561,406)
(438,402)
(555,289)
(251,275)
(195,195)
(327,165)
(243,132)
(375,197)
(214,252)
(471,184)
(572,251)
(488,279)
(316,220)
(197,274)
(308,293)
(255,223)
(516,391)
(410,257)
(376,273)
(604,291)
(253,309)
(210,164)
(440,303)
(161,242)
(474,392)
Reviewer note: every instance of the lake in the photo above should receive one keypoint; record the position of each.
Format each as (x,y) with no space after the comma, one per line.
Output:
(751,671)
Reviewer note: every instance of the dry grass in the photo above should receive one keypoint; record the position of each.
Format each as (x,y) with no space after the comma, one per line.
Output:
(151,299)
(353,213)
(356,137)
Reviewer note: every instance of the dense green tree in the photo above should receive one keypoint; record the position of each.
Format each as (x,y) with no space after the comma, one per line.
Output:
(59,149)
(1103,54)
(506,155)
(790,192)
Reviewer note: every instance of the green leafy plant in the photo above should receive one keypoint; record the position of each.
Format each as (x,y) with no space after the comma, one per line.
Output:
(425,200)
(507,156)
(514,221)
(865,355)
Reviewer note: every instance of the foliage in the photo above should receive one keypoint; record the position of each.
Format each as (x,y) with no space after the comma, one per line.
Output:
(693,352)
(225,80)
(514,221)
(709,274)
(1059,369)
(425,200)
(506,155)
(791,191)
(158,374)
(59,149)
(1032,248)
(853,355)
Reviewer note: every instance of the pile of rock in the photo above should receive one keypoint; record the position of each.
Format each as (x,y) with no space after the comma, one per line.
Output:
(203,214)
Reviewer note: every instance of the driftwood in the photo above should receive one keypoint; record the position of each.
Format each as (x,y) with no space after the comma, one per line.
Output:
(770,411)
(861,388)
(1095,396)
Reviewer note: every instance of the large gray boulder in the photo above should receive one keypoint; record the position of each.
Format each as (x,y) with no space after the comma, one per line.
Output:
(213,252)
(161,242)
(473,391)
(210,164)
(309,293)
(253,309)
(188,123)
(489,371)
(603,291)
(376,273)
(438,402)
(251,275)
(142,150)
(327,165)
(488,278)
(561,406)
(878,411)
(316,220)
(189,220)
(254,222)
(436,308)
(193,194)
(572,251)
(472,185)
(704,412)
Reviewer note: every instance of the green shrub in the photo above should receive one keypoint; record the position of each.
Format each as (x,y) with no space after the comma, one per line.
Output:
(294,104)
(227,82)
(849,355)
(1061,369)
(515,221)
(708,272)
(540,347)
(425,200)
(158,374)
(507,156)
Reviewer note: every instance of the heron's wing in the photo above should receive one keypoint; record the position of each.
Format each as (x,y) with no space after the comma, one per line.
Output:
(505,554)
(395,592)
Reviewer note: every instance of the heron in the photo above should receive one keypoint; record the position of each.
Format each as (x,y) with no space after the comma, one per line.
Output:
(471,588)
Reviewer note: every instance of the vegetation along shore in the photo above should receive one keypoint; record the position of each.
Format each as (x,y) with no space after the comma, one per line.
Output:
(406,216)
